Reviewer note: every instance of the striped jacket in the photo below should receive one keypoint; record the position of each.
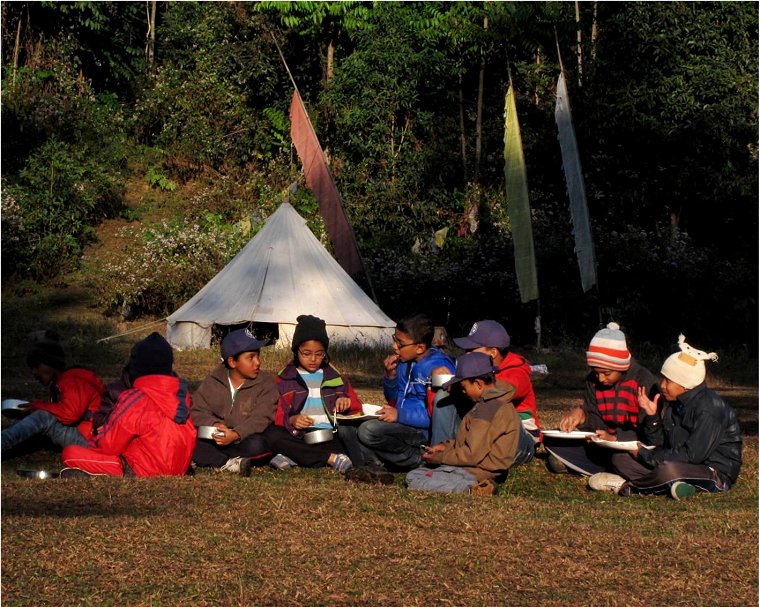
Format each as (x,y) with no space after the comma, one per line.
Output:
(616,408)
(293,393)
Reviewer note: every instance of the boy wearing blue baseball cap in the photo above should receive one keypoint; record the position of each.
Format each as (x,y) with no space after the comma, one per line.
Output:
(491,338)
(240,401)
(488,442)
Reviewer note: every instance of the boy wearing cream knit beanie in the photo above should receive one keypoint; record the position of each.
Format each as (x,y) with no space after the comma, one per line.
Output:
(697,435)
(610,406)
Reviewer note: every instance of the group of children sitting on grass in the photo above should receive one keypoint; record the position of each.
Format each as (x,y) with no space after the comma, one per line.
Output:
(455,427)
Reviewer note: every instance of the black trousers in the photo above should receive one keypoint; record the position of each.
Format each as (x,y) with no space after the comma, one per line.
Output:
(659,479)
(308,456)
(208,454)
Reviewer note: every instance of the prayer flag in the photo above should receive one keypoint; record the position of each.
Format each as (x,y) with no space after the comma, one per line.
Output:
(518,203)
(576,191)
(320,181)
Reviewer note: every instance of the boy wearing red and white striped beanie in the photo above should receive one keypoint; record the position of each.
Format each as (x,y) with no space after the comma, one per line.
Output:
(608,349)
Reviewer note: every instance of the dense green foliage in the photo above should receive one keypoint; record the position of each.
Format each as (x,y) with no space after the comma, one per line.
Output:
(665,108)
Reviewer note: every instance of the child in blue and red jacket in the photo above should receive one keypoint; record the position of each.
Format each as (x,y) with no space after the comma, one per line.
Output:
(403,427)
(149,431)
(312,392)
(75,394)
(610,406)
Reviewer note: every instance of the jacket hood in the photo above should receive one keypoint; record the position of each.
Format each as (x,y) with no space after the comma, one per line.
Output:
(499,389)
(169,393)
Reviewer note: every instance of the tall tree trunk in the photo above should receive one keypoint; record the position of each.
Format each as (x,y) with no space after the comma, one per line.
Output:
(579,38)
(150,46)
(594,30)
(330,70)
(462,135)
(536,99)
(479,119)
(329,73)
(16,47)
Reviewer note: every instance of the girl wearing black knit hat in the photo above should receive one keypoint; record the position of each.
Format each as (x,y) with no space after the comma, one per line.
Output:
(312,391)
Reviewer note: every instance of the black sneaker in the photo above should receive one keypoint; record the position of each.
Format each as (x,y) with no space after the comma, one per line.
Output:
(370,475)
(359,475)
(554,465)
(75,473)
(245,467)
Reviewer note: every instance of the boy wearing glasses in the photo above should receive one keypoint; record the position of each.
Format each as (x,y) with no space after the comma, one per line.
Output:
(240,400)
(311,392)
(397,436)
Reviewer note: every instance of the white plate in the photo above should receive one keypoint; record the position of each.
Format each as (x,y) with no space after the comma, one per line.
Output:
(624,445)
(573,434)
(369,412)
(371,409)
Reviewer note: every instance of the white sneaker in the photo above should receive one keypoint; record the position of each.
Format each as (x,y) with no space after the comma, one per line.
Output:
(232,465)
(605,481)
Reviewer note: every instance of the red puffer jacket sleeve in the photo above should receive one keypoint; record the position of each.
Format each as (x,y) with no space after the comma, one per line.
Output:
(78,390)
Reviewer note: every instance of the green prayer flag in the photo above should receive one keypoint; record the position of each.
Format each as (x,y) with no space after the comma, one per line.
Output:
(518,203)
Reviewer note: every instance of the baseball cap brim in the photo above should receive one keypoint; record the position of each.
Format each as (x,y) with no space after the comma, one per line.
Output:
(466,343)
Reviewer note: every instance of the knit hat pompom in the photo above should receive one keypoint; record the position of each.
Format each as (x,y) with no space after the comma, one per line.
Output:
(687,367)
(608,349)
(309,327)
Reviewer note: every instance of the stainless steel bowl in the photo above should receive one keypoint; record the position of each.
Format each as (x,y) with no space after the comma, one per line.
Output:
(15,408)
(208,432)
(315,437)
(437,381)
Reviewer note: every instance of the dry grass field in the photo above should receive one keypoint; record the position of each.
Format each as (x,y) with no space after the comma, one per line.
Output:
(308,537)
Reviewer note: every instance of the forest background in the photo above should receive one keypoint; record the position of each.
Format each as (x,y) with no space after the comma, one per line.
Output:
(191,99)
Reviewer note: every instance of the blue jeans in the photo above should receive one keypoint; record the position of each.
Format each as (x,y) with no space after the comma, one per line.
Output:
(446,418)
(393,443)
(41,423)
(526,447)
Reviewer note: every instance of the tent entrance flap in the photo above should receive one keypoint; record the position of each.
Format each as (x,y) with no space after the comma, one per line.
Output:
(188,335)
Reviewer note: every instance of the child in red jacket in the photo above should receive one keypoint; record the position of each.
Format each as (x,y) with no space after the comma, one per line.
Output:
(75,394)
(149,431)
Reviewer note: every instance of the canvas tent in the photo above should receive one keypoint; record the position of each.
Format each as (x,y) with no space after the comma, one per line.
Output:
(281,273)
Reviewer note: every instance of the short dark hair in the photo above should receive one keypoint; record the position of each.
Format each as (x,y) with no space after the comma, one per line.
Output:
(419,327)
(46,352)
(488,378)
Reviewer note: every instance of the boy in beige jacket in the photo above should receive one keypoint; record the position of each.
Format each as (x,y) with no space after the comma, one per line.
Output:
(490,440)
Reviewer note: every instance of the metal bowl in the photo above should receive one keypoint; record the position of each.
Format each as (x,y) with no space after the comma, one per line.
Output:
(314,437)
(437,381)
(15,408)
(208,432)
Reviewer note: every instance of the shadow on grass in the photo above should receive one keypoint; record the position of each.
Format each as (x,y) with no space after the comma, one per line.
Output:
(88,501)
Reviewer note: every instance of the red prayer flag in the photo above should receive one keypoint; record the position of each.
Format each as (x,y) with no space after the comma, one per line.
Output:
(320,181)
